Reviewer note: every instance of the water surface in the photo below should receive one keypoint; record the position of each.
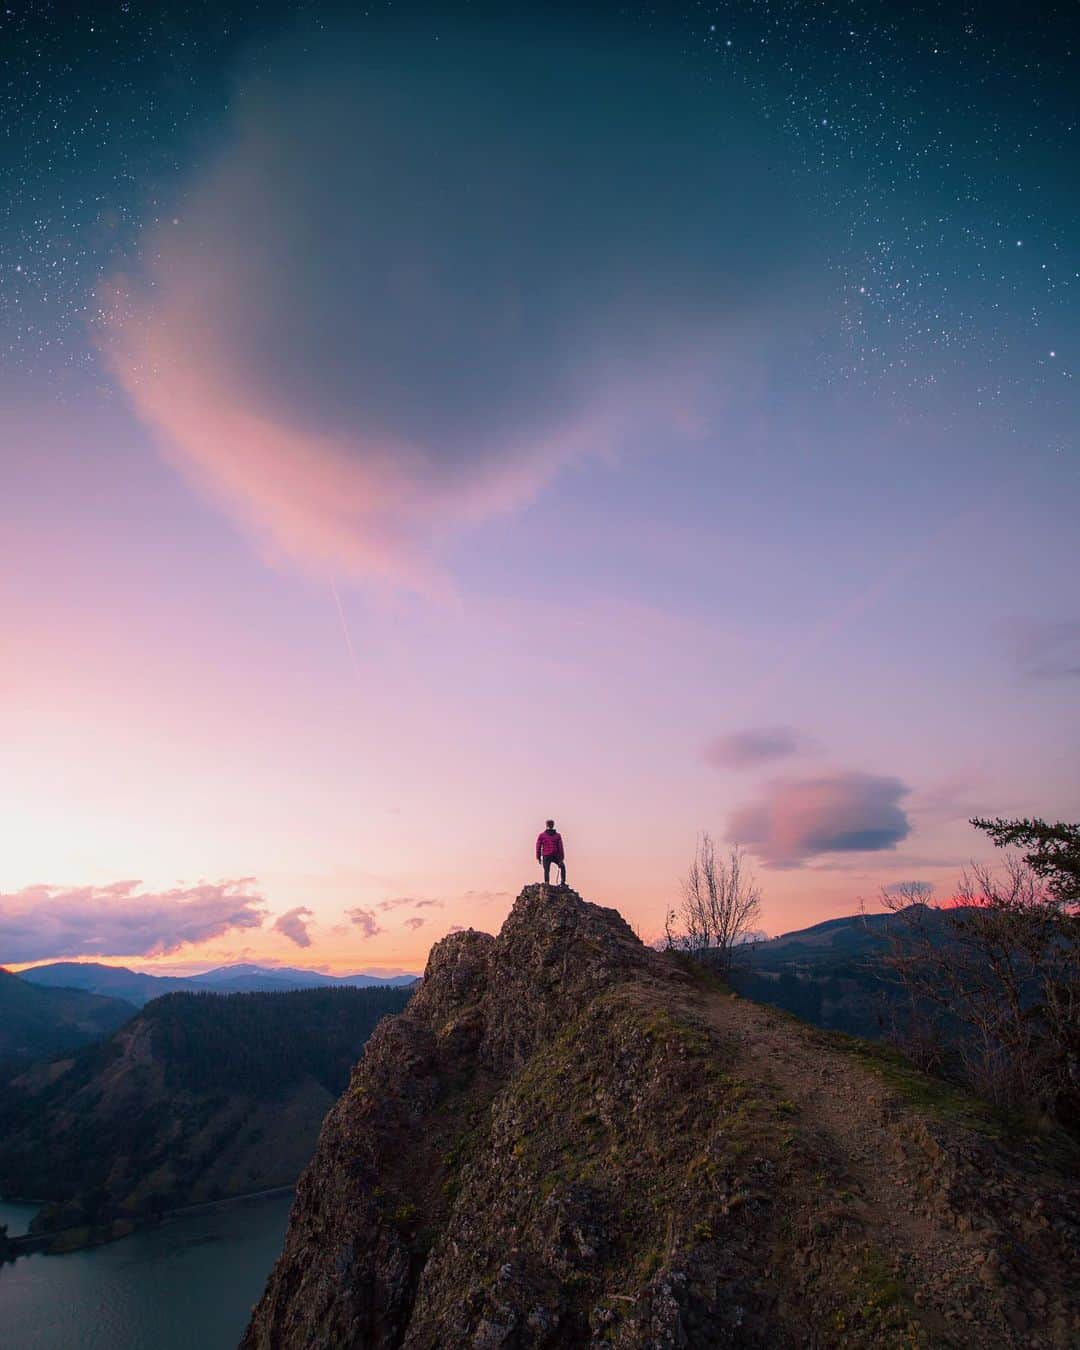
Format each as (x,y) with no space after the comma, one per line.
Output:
(188,1285)
(17,1217)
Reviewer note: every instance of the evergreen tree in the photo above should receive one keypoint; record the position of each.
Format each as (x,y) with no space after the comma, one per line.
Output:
(1054,855)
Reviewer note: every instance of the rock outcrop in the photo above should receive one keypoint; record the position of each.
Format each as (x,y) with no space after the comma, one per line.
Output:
(570,1140)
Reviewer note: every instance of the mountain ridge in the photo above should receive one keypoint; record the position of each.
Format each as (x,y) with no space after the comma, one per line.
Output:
(835,973)
(139,987)
(568,1139)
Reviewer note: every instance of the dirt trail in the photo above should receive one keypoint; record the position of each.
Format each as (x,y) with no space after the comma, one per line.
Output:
(571,1140)
(918,1200)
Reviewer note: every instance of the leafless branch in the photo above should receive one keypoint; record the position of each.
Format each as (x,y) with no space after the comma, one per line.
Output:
(720,905)
(1001,963)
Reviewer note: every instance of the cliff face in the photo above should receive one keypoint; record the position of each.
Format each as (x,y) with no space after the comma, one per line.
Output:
(569,1140)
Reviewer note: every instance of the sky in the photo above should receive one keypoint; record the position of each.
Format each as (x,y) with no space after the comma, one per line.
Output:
(422,420)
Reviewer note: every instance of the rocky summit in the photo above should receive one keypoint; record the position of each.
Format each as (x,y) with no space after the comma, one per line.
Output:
(568,1140)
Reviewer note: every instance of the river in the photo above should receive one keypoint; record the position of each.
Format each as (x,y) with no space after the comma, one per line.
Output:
(186,1285)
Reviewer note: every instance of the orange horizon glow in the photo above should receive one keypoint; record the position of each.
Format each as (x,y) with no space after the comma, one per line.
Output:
(381,478)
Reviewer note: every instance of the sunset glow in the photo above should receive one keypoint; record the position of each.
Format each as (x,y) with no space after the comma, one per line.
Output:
(361,509)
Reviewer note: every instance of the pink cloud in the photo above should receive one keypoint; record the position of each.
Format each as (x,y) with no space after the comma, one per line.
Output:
(356,345)
(294,925)
(44,922)
(359,500)
(414,923)
(365,920)
(799,818)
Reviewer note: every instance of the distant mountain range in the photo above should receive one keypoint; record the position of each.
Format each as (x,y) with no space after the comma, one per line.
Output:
(137,988)
(195,1098)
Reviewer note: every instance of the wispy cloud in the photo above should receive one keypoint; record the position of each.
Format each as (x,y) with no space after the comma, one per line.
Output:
(756,745)
(1045,651)
(414,923)
(294,925)
(45,922)
(485,897)
(799,818)
(408,901)
(365,920)
(455,337)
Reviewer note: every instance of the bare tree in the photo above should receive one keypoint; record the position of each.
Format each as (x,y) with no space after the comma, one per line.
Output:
(720,905)
(1001,962)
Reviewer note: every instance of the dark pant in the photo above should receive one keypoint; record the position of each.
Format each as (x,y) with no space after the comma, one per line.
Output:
(547,870)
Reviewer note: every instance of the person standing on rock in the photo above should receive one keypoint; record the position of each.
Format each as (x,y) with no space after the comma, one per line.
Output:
(549,849)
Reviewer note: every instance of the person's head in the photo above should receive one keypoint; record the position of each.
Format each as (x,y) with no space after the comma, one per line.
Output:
(550,824)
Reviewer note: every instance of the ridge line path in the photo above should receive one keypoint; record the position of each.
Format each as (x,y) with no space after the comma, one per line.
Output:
(909,1195)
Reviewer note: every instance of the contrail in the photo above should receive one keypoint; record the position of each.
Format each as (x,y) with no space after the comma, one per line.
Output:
(345,631)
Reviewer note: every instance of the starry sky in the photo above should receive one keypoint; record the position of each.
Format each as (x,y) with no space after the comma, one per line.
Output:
(417,420)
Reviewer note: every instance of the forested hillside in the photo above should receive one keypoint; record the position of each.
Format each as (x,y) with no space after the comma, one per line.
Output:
(832,974)
(36,1023)
(198,1097)
(261,1044)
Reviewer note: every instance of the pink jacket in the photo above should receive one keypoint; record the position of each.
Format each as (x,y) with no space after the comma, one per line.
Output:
(549,845)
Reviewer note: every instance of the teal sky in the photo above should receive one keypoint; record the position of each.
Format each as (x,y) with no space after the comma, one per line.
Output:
(417,426)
